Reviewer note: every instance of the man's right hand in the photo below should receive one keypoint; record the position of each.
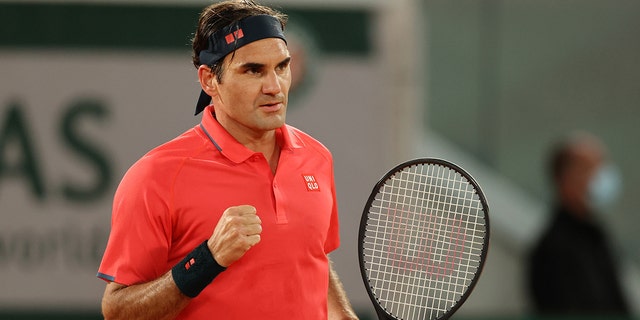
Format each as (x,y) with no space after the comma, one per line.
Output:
(237,231)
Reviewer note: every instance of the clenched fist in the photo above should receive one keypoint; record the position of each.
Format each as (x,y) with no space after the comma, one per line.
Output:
(237,231)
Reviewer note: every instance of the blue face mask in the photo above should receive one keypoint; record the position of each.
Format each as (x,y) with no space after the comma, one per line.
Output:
(604,188)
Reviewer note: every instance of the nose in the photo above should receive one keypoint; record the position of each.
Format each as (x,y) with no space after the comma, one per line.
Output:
(271,84)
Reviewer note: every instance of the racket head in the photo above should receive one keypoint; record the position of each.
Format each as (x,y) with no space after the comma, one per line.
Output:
(423,240)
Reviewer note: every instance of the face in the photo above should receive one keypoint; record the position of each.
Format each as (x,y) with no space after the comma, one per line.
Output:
(251,99)
(587,157)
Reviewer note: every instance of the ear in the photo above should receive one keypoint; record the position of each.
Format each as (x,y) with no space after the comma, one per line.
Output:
(208,80)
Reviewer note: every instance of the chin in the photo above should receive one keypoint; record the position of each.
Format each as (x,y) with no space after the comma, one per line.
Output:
(269,125)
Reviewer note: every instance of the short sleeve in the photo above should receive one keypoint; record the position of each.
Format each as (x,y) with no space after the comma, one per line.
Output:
(137,250)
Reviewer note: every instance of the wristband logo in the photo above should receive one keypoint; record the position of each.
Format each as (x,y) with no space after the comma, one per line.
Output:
(189,263)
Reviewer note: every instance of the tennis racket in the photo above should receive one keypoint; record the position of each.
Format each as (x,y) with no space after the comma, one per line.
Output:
(423,240)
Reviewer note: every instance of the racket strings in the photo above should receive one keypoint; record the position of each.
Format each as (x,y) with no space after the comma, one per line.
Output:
(424,241)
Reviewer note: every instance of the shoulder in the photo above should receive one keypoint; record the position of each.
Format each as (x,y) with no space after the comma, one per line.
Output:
(165,160)
(562,238)
(309,142)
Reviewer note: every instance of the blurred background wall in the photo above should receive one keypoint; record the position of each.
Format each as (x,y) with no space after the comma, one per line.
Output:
(87,87)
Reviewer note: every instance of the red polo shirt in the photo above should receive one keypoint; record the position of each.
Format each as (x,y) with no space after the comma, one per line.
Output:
(171,199)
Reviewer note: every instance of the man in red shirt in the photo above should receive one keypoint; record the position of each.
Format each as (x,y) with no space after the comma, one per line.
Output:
(233,219)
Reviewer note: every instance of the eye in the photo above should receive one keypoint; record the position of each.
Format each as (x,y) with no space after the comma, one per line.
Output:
(254,70)
(283,66)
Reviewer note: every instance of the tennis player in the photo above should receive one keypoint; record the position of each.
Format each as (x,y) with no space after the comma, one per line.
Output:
(235,218)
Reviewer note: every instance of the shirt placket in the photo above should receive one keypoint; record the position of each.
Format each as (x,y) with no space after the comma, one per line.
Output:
(278,194)
(276,188)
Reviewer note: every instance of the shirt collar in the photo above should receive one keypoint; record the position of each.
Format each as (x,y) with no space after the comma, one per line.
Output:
(234,150)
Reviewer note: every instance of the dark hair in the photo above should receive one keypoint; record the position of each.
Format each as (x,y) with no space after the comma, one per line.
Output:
(219,15)
(564,154)
(560,159)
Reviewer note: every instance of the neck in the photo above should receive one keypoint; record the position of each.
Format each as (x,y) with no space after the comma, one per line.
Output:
(264,142)
(273,158)
(576,208)
(269,147)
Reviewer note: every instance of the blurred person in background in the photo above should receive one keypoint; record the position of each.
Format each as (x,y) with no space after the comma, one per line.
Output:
(235,218)
(572,268)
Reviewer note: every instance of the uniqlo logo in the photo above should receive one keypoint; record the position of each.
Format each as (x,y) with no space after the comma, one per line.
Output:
(311,182)
(233,36)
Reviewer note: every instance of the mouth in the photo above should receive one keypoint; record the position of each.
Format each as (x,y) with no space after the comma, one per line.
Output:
(272,106)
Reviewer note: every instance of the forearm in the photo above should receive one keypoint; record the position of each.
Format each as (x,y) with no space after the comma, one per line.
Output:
(159,299)
(339,307)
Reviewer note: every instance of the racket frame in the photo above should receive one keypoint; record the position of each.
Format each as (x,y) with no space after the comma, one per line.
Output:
(383,314)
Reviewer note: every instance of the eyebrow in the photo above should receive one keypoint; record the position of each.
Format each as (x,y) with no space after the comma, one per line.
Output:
(256,65)
(285,61)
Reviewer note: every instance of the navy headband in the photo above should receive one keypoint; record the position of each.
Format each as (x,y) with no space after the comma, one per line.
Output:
(234,36)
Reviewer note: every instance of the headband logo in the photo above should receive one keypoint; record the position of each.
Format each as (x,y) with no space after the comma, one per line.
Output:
(233,36)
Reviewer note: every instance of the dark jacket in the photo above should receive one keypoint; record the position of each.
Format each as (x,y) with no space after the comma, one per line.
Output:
(572,270)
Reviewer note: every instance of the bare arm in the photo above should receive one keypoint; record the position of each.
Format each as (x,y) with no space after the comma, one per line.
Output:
(237,231)
(337,301)
(159,299)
